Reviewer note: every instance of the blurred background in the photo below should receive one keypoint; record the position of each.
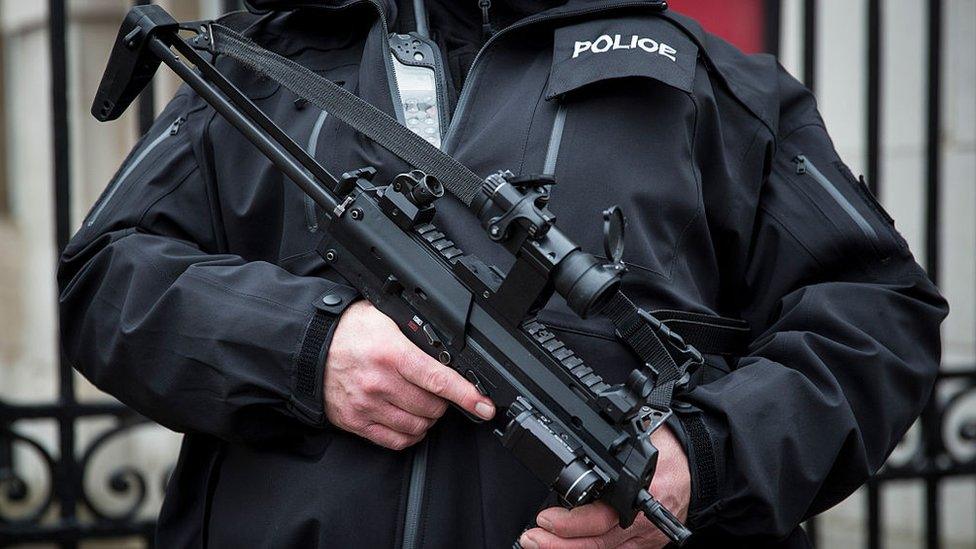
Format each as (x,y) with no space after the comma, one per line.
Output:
(896,82)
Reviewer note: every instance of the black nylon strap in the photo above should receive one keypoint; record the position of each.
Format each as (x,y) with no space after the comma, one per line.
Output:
(637,333)
(363,117)
(708,333)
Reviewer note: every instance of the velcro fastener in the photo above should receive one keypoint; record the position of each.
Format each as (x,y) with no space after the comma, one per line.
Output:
(706,489)
(306,363)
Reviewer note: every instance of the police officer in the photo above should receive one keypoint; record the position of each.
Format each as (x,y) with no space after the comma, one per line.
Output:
(193,292)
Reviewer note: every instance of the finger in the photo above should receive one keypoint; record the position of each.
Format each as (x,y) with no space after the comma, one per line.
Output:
(434,377)
(388,438)
(593,519)
(658,542)
(537,538)
(400,420)
(417,401)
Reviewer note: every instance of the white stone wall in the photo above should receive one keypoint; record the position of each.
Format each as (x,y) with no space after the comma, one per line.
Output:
(27,335)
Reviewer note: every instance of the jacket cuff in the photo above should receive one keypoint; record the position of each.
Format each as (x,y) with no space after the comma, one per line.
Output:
(308,371)
(704,463)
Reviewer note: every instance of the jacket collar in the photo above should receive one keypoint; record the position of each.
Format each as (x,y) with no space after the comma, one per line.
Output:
(390,6)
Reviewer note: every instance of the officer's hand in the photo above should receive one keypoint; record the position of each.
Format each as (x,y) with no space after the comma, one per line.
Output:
(595,525)
(381,387)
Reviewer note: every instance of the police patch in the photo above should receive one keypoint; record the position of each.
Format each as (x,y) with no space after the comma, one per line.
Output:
(648,47)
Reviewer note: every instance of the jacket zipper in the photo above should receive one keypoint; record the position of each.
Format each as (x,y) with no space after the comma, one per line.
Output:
(473,73)
(486,29)
(805,167)
(415,496)
(440,75)
(440,85)
(311,216)
(170,131)
(555,140)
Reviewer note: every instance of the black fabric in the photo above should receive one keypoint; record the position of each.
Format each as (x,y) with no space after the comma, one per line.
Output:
(190,295)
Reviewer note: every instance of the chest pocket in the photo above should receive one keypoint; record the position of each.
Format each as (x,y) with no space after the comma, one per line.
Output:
(624,135)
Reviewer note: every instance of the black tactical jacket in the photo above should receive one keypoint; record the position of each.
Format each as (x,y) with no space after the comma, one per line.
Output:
(192,291)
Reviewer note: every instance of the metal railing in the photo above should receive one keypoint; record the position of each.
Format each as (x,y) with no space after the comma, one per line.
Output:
(67,515)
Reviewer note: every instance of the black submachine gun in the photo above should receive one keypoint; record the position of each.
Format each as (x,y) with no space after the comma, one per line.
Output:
(586,439)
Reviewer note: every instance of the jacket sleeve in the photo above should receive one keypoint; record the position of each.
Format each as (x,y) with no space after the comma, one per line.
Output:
(157,314)
(846,348)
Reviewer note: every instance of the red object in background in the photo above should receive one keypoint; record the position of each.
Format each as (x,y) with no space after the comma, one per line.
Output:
(738,21)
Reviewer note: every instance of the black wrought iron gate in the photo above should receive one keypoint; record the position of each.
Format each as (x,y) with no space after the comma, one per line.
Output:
(67,514)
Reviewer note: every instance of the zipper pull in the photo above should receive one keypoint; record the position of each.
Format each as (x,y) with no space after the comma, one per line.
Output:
(801,164)
(174,128)
(486,29)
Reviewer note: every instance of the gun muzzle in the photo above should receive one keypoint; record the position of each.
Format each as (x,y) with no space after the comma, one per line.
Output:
(663,519)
